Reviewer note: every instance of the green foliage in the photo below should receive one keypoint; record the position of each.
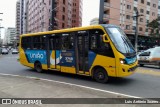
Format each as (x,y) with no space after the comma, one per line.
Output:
(153,26)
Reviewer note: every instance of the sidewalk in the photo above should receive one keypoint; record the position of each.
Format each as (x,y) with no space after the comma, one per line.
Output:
(22,87)
(155,71)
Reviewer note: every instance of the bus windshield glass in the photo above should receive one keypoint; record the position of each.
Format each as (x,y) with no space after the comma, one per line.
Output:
(120,40)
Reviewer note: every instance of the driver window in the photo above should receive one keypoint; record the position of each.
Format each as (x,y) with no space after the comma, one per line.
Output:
(96,40)
(97,45)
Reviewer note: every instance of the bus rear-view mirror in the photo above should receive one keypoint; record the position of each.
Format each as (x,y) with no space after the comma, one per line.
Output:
(105,38)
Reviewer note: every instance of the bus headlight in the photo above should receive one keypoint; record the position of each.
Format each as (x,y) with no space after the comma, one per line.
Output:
(122,61)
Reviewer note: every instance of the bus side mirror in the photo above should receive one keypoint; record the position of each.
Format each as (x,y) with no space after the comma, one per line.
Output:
(105,38)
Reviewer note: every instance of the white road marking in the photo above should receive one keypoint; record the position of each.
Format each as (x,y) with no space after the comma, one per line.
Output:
(96,89)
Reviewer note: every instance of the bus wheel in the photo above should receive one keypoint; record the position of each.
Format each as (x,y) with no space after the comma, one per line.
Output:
(38,67)
(100,75)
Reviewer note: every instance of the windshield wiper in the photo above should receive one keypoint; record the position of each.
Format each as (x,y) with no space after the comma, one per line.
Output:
(125,45)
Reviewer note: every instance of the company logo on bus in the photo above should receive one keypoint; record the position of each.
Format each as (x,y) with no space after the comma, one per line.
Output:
(37,56)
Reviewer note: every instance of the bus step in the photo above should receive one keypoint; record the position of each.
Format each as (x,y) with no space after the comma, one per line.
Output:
(53,69)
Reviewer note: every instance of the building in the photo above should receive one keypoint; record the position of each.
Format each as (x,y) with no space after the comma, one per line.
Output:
(46,15)
(0,36)
(18,20)
(1,41)
(121,12)
(21,19)
(10,36)
(23,16)
(94,21)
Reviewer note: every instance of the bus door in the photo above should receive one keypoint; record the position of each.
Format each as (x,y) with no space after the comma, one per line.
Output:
(82,50)
(54,52)
(67,53)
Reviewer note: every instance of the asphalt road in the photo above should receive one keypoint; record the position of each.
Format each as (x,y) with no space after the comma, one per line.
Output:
(140,85)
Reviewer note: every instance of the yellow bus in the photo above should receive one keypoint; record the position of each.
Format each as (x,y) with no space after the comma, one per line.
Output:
(99,51)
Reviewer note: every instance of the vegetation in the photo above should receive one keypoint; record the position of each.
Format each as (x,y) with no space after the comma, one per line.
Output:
(154,27)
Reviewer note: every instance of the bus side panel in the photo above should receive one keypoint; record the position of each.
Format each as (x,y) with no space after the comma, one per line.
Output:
(58,59)
(107,63)
(55,57)
(31,56)
(52,59)
(67,61)
(24,60)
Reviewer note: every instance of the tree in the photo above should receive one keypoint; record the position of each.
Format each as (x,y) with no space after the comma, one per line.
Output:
(154,27)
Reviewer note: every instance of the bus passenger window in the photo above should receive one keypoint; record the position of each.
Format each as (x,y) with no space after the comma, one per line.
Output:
(26,43)
(93,42)
(39,42)
(67,41)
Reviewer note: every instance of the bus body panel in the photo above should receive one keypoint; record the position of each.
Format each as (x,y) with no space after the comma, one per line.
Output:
(54,61)
(70,70)
(107,63)
(125,69)
(28,58)
(23,59)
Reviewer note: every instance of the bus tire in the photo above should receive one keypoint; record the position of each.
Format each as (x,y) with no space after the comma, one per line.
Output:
(100,75)
(38,67)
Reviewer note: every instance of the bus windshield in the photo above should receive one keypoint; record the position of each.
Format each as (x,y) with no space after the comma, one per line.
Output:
(120,40)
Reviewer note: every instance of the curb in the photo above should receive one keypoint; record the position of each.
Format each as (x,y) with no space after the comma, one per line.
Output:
(148,72)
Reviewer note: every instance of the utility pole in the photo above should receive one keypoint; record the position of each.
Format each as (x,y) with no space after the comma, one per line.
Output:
(136,32)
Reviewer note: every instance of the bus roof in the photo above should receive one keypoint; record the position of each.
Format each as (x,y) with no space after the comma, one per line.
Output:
(69,29)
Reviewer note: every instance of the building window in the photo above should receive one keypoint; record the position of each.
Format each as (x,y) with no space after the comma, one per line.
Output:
(147,12)
(141,10)
(146,29)
(142,1)
(140,29)
(127,16)
(136,0)
(141,19)
(129,7)
(63,25)
(134,28)
(63,17)
(127,27)
(154,5)
(63,9)
(148,3)
(64,1)
(135,8)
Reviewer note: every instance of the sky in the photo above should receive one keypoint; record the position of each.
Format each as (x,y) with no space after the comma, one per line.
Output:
(8,8)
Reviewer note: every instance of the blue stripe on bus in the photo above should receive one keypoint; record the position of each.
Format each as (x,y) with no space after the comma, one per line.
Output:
(92,57)
(130,60)
(68,58)
(36,55)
